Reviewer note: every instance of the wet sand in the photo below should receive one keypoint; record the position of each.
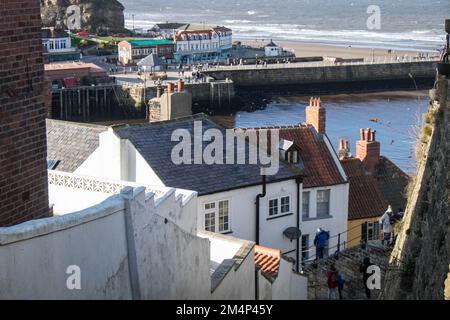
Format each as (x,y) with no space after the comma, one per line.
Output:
(313,49)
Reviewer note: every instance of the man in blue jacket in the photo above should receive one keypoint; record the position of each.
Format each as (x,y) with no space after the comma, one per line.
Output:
(321,241)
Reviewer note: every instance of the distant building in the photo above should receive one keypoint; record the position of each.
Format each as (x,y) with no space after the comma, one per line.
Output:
(375,183)
(273,50)
(167,30)
(58,45)
(203,43)
(130,52)
(71,74)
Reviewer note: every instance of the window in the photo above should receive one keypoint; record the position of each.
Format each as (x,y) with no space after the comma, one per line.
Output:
(217,211)
(305,247)
(280,205)
(370,231)
(273,207)
(285,204)
(323,203)
(223,216)
(210,221)
(305,204)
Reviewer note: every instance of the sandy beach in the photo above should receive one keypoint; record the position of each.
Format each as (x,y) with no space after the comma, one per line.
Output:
(314,49)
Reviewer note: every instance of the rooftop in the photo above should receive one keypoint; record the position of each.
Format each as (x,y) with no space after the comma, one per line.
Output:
(150,42)
(153,141)
(48,33)
(319,164)
(268,260)
(72,65)
(370,194)
(71,143)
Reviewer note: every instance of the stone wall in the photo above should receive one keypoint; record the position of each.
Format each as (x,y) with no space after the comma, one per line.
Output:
(422,251)
(23,166)
(303,75)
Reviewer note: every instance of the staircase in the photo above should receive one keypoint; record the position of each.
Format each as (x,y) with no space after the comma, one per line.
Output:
(347,263)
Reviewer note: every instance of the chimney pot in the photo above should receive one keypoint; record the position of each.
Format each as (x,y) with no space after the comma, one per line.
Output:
(170,87)
(361,131)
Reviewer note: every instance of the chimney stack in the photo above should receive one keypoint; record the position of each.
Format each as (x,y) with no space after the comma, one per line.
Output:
(368,149)
(344,149)
(316,115)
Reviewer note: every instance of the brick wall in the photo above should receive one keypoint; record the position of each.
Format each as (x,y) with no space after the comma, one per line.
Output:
(23,175)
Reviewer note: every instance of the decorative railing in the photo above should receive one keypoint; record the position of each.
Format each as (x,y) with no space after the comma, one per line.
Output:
(94,184)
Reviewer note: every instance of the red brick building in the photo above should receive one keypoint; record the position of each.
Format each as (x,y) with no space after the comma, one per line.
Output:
(23,166)
(132,51)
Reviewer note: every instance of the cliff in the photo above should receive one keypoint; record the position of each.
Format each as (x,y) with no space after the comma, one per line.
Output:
(419,263)
(96,15)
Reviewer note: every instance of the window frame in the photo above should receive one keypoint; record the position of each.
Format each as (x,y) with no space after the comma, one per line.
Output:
(329,203)
(215,211)
(308,215)
(279,206)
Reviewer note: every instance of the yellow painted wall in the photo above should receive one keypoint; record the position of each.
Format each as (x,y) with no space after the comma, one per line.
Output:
(354,233)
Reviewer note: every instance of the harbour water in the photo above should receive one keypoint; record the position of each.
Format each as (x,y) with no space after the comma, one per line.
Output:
(405,24)
(396,116)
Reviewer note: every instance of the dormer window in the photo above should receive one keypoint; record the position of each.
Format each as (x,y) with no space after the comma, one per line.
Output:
(289,152)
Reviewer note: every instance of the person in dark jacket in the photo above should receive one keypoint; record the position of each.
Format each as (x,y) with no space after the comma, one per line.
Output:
(363,269)
(340,284)
(321,241)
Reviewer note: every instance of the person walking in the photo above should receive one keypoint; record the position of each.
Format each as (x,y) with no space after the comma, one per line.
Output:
(363,269)
(332,282)
(385,222)
(320,241)
(340,284)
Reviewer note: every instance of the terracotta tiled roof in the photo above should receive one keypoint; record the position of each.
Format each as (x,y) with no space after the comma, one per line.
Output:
(319,166)
(268,260)
(370,194)
(365,199)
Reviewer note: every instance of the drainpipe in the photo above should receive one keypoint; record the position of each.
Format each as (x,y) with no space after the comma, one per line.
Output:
(299,181)
(258,197)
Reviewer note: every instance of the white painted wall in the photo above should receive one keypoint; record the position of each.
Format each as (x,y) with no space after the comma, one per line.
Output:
(243,213)
(336,223)
(288,285)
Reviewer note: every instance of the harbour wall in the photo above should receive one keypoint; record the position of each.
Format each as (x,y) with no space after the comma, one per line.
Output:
(415,73)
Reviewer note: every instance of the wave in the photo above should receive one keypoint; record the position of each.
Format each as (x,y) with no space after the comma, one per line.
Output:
(244,29)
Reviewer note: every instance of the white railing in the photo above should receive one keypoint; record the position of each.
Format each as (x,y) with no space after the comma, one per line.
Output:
(378,60)
(106,186)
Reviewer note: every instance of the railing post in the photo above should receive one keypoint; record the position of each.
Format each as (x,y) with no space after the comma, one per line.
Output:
(339,243)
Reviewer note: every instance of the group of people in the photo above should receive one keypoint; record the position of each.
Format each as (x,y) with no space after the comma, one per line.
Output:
(335,282)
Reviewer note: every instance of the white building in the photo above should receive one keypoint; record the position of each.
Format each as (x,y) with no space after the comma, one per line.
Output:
(203,43)
(272,50)
(227,193)
(56,40)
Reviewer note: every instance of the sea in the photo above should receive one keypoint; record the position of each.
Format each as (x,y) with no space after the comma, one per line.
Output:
(403,24)
(416,25)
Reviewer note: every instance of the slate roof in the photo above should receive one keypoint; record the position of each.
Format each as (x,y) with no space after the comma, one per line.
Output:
(268,260)
(370,194)
(71,143)
(153,142)
(152,60)
(53,33)
(319,165)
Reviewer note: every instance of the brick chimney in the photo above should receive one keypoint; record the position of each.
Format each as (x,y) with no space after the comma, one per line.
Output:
(344,149)
(316,115)
(23,151)
(368,149)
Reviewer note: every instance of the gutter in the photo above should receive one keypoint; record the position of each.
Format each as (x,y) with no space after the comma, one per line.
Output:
(299,181)
(258,197)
